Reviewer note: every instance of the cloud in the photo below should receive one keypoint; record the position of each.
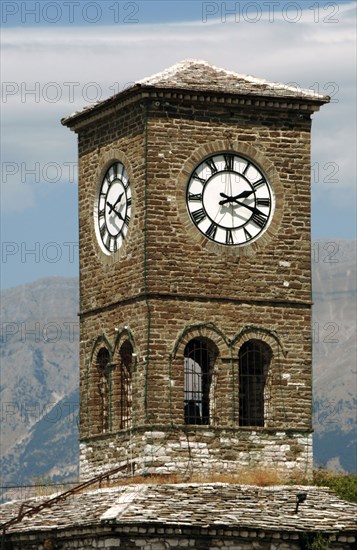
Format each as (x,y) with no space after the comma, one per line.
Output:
(263,48)
(80,62)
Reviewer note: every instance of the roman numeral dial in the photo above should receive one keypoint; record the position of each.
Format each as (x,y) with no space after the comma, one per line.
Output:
(112,209)
(229,199)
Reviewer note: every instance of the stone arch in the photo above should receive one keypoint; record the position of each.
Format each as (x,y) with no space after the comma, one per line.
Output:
(196,330)
(258,332)
(101,341)
(122,334)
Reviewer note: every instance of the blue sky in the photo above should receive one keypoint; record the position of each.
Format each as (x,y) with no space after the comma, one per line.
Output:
(60,56)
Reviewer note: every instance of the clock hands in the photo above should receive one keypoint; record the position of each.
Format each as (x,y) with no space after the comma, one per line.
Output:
(258,216)
(112,209)
(225,204)
(112,206)
(242,195)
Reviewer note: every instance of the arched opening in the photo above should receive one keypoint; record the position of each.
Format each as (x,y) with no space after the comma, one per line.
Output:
(103,366)
(125,375)
(254,360)
(199,357)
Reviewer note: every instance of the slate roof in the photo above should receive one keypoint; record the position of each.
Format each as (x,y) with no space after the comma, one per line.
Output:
(198,75)
(196,505)
(192,75)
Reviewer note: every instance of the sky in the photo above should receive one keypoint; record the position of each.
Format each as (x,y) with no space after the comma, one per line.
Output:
(60,56)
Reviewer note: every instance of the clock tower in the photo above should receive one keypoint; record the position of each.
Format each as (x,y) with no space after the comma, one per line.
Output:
(195,278)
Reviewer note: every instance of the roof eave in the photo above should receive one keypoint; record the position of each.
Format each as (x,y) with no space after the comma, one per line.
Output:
(144,91)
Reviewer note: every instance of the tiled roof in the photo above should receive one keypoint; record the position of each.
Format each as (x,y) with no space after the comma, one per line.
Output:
(204,505)
(199,76)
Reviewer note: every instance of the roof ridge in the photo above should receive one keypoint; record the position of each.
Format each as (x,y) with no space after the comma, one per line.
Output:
(155,78)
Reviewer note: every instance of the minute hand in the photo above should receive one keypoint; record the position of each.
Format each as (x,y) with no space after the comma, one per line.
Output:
(242,195)
(251,208)
(112,209)
(112,206)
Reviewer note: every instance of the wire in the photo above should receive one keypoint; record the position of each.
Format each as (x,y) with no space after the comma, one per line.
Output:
(233,389)
(282,396)
(147,361)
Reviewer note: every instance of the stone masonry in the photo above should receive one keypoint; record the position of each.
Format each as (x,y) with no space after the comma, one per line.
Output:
(202,516)
(169,284)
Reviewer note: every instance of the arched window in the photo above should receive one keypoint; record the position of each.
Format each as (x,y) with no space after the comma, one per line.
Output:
(103,366)
(254,360)
(125,374)
(198,364)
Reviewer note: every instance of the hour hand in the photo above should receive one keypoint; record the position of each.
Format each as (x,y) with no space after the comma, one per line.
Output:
(112,206)
(243,195)
(112,209)
(226,199)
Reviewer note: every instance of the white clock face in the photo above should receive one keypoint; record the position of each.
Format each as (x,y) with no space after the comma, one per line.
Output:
(112,209)
(229,199)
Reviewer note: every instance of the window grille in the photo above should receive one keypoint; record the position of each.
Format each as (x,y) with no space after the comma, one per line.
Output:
(126,359)
(198,363)
(254,360)
(103,359)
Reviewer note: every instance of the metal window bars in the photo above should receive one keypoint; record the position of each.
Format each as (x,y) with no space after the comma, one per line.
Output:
(125,375)
(254,360)
(198,363)
(103,359)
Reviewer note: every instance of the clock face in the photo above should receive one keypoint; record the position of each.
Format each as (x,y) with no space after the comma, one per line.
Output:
(229,199)
(112,209)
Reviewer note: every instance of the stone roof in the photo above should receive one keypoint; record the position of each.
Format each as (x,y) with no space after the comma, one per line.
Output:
(192,75)
(198,75)
(193,505)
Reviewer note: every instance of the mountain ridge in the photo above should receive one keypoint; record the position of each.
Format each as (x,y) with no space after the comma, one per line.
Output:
(40,332)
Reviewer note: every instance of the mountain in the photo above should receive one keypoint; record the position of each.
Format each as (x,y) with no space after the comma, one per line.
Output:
(334,353)
(39,376)
(39,351)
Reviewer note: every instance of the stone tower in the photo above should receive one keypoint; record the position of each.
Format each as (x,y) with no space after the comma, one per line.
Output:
(195,279)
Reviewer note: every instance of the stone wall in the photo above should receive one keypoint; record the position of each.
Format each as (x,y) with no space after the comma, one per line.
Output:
(151,538)
(169,284)
(178,259)
(186,451)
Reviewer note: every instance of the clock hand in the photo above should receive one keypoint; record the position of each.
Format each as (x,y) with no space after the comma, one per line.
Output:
(251,208)
(116,202)
(119,215)
(242,195)
(112,209)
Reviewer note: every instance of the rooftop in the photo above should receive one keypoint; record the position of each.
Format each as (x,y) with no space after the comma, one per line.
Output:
(191,75)
(193,505)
